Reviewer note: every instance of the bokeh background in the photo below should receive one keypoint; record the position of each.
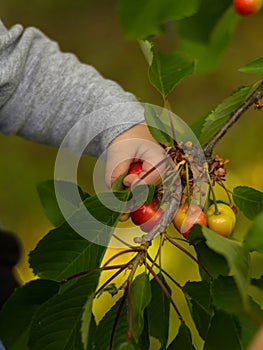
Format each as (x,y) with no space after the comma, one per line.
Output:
(90,29)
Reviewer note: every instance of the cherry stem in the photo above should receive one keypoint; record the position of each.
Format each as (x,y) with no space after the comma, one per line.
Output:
(216,211)
(226,191)
(158,254)
(168,107)
(188,254)
(166,292)
(235,115)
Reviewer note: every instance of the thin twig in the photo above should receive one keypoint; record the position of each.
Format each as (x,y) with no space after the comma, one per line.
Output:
(188,254)
(166,292)
(164,272)
(117,318)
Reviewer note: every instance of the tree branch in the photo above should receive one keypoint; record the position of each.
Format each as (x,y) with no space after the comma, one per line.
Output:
(256,94)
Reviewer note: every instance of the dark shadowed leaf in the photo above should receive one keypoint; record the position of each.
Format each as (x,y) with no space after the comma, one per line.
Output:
(17,314)
(47,195)
(63,252)
(211,264)
(226,296)
(223,333)
(235,253)
(200,303)
(205,35)
(183,340)
(105,328)
(140,299)
(158,312)
(145,17)
(248,200)
(57,323)
(258,282)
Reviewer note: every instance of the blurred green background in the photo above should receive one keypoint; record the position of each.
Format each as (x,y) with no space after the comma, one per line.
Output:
(90,29)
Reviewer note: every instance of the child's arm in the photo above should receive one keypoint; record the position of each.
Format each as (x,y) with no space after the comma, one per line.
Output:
(44,93)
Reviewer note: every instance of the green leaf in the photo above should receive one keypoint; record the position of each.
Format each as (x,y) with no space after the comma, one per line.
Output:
(86,321)
(255,66)
(126,346)
(146,47)
(47,195)
(158,312)
(105,328)
(248,326)
(56,325)
(226,295)
(168,69)
(17,314)
(142,18)
(223,333)
(212,122)
(248,200)
(211,264)
(205,35)
(199,300)
(183,340)
(158,125)
(140,299)
(63,252)
(254,237)
(236,255)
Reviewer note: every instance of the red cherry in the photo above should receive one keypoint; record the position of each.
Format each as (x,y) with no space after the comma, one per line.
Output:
(247,7)
(135,168)
(146,216)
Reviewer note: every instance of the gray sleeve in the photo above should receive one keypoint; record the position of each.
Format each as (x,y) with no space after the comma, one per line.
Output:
(44,93)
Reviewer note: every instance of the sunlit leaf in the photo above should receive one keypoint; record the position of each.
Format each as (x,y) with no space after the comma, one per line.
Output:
(56,325)
(158,312)
(254,237)
(17,314)
(248,200)
(168,69)
(255,66)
